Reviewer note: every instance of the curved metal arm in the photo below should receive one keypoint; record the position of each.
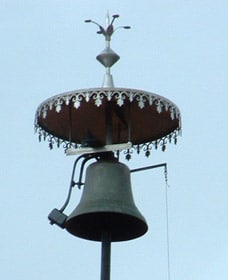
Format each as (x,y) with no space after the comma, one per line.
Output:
(71,184)
(79,183)
(57,216)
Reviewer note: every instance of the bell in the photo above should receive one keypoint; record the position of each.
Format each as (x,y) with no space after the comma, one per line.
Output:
(107,205)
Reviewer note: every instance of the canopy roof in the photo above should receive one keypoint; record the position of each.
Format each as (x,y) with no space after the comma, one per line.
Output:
(98,116)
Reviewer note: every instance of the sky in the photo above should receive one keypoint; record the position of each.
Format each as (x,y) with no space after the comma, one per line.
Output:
(177,49)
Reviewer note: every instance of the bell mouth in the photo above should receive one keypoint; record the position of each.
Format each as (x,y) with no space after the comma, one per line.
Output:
(91,226)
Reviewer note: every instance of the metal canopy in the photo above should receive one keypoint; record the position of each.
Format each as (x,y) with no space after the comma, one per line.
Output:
(108,115)
(79,118)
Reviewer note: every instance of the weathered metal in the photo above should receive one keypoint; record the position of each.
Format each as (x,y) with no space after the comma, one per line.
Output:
(107,205)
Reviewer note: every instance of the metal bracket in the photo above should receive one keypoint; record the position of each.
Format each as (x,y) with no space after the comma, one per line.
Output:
(106,148)
(151,167)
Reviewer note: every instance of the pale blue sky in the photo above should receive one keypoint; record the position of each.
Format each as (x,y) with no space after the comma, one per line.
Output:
(177,49)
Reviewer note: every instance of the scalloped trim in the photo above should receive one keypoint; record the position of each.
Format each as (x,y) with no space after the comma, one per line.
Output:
(97,95)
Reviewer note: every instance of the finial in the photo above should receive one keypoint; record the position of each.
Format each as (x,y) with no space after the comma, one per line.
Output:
(107,57)
(109,30)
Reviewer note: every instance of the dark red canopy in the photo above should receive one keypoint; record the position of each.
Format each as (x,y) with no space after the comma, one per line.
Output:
(85,117)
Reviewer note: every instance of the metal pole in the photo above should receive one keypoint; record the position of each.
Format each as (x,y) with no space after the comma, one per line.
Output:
(105,257)
(108,117)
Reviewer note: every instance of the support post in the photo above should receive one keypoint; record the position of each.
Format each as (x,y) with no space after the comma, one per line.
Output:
(108,119)
(105,257)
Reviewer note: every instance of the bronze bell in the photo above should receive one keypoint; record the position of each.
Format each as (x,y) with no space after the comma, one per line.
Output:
(107,205)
